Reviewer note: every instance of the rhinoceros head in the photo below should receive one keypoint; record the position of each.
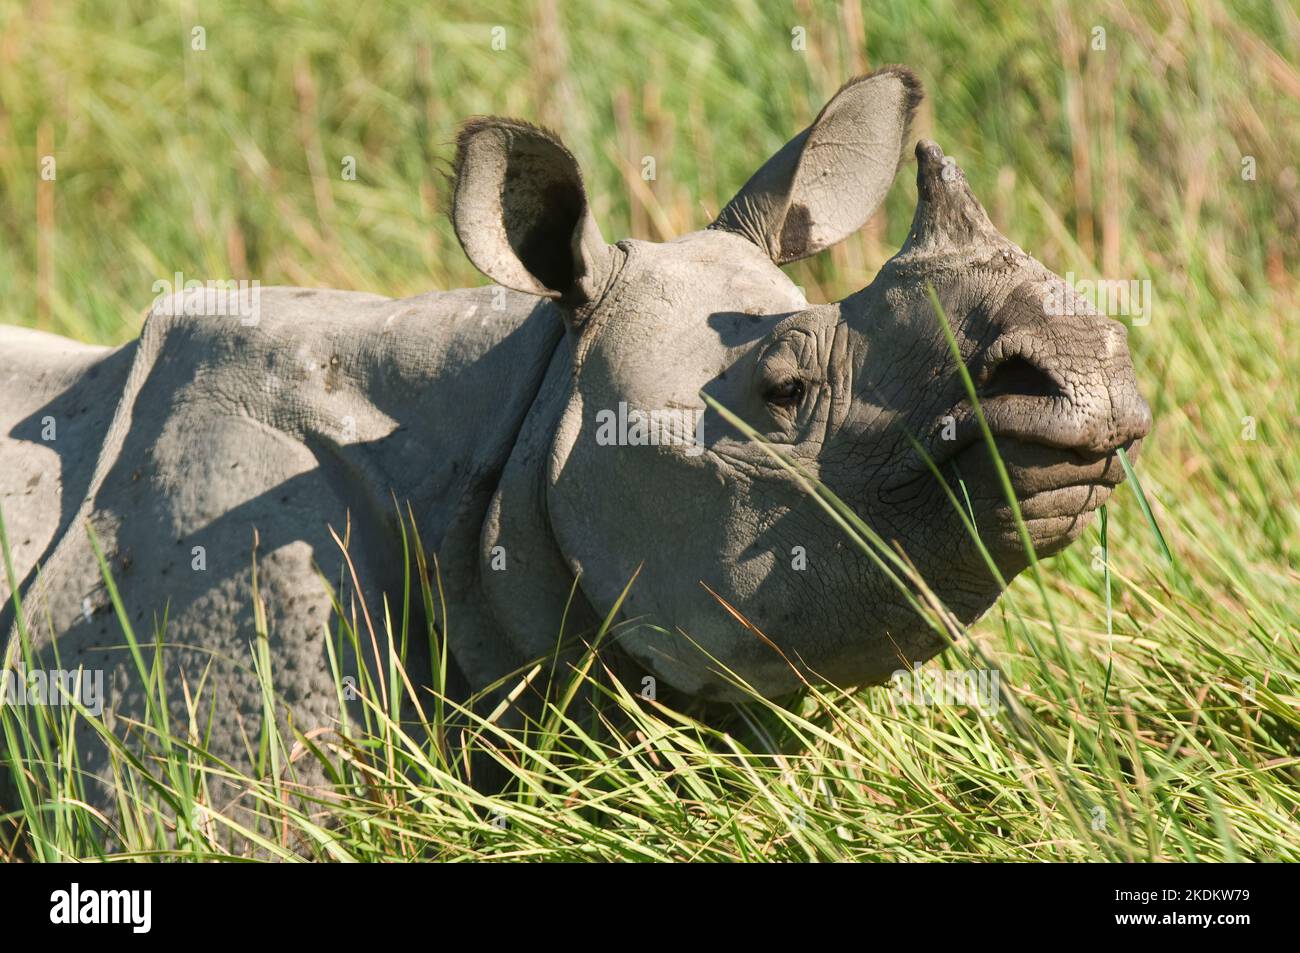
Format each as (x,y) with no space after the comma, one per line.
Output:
(642,474)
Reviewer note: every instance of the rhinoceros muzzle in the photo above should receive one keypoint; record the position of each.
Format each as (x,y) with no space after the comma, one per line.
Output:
(1052,377)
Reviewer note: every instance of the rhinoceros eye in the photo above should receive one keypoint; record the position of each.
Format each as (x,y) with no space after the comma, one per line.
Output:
(788,393)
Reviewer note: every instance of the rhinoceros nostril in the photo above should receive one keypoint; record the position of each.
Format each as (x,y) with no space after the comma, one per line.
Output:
(1020,377)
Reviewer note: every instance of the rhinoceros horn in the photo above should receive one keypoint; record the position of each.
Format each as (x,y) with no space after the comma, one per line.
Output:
(949,219)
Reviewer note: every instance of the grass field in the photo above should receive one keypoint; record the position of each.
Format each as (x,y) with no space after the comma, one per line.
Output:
(1152,681)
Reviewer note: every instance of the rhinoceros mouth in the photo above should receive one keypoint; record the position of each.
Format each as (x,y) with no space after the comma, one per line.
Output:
(1041,450)
(1052,484)
(1034,468)
(1056,489)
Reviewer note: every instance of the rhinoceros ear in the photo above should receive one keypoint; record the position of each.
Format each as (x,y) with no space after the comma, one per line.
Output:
(520,212)
(824,183)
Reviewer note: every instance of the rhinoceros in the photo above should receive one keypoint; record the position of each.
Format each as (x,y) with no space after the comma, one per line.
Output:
(550,439)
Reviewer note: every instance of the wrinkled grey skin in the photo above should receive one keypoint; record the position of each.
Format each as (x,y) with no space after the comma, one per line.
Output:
(481,408)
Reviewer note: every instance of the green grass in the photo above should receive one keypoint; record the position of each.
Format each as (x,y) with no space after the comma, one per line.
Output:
(1150,675)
